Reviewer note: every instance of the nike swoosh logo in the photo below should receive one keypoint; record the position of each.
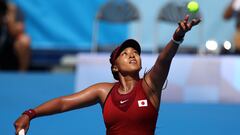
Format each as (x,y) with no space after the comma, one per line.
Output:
(123,101)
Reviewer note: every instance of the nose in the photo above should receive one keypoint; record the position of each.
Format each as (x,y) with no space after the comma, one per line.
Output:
(132,55)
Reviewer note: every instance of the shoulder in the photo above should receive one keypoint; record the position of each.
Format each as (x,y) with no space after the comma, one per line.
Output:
(103,90)
(103,87)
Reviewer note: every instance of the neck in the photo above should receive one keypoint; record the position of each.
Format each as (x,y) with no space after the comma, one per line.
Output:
(127,84)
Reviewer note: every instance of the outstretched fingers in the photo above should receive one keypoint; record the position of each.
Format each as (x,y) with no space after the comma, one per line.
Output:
(184,26)
(195,22)
(186,18)
(192,23)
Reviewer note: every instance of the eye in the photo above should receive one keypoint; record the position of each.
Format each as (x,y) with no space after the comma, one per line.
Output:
(124,53)
(136,52)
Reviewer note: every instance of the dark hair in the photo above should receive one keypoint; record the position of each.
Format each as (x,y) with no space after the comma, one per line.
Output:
(114,73)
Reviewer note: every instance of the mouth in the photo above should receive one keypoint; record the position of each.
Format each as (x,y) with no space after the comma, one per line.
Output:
(133,62)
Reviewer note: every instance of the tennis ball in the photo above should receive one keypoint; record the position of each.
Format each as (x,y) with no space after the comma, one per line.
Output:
(193,7)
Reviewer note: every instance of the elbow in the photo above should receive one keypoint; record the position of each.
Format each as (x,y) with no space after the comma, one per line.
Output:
(60,105)
(66,104)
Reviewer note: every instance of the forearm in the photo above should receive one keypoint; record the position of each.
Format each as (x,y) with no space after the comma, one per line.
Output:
(51,107)
(160,70)
(81,99)
(168,52)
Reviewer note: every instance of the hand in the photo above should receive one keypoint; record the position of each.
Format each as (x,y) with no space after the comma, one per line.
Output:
(22,122)
(185,26)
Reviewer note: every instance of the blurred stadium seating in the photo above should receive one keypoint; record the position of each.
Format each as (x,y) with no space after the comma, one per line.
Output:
(67,31)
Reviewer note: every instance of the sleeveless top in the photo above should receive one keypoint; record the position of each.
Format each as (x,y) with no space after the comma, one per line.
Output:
(129,114)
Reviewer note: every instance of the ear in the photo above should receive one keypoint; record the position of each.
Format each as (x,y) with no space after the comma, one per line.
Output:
(114,68)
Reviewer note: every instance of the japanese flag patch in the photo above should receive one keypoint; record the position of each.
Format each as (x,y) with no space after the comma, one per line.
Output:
(142,103)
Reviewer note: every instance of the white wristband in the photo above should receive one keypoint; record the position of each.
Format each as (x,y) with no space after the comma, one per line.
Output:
(177,42)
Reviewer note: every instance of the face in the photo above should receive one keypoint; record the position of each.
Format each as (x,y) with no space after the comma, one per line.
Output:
(128,62)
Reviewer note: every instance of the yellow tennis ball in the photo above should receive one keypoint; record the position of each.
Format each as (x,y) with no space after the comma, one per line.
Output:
(193,7)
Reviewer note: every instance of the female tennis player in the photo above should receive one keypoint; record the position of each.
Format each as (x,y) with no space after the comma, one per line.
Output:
(130,106)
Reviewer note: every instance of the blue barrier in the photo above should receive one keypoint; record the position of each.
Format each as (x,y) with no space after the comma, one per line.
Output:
(21,91)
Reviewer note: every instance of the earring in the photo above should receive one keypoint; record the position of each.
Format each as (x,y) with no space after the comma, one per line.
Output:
(114,68)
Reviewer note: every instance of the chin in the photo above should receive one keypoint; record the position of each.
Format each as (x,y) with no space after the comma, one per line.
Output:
(135,69)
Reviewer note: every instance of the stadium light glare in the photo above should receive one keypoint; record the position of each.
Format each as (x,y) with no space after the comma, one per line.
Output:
(211,45)
(227,45)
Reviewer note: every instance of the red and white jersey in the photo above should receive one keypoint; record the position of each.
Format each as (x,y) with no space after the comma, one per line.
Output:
(129,114)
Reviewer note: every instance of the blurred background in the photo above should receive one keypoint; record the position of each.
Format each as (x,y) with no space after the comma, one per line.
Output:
(57,47)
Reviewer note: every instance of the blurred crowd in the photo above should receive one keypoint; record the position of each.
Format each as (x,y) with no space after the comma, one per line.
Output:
(14,43)
(233,11)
